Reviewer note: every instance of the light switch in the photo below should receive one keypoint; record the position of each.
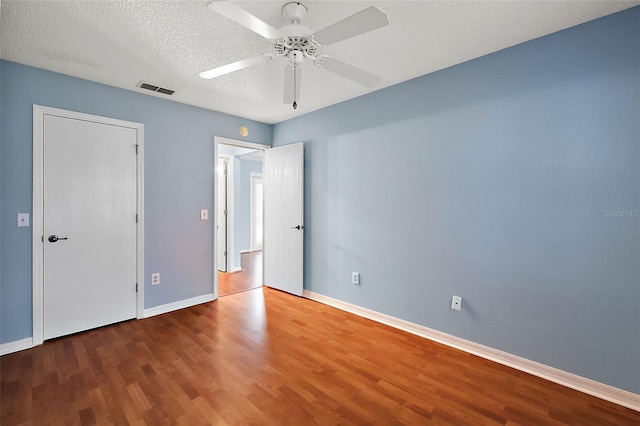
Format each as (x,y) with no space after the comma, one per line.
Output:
(204,214)
(23,219)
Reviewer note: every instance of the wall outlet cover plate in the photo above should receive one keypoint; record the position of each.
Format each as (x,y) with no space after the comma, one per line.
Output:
(456,303)
(23,220)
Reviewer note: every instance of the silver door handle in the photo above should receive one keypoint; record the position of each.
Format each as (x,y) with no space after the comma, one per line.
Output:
(298,227)
(55,238)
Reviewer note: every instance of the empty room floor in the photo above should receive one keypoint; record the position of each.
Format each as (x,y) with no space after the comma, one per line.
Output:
(267,357)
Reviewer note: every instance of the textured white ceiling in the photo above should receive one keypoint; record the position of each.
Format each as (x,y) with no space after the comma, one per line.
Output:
(167,43)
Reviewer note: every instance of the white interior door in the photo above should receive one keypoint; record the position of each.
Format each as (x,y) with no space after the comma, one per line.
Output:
(283,180)
(221,216)
(90,225)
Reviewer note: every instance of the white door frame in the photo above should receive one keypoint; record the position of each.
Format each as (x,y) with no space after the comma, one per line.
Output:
(230,188)
(252,211)
(242,144)
(38,208)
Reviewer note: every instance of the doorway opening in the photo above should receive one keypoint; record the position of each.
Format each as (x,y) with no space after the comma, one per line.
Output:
(239,208)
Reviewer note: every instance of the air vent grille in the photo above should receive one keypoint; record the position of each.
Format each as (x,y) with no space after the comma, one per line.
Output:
(153,88)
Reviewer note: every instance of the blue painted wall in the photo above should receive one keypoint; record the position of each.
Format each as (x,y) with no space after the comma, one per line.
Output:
(179,173)
(512,180)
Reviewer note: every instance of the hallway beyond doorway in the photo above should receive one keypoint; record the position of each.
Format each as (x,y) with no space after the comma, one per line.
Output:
(249,278)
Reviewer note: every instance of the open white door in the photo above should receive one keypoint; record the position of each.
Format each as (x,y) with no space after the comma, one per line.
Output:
(283,179)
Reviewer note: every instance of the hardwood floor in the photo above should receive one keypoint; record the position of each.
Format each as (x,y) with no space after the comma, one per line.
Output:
(266,357)
(249,278)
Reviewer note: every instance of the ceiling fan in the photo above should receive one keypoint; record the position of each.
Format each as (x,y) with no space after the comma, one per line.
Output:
(295,42)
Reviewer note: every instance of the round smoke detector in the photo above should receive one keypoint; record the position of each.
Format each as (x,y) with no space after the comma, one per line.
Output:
(294,12)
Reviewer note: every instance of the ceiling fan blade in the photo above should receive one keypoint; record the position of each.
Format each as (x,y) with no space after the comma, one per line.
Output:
(349,71)
(362,22)
(234,66)
(289,95)
(237,14)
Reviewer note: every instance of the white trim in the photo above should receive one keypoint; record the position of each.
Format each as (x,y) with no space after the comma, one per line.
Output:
(253,177)
(233,142)
(570,380)
(140,236)
(231,203)
(37,221)
(38,208)
(15,346)
(236,269)
(180,304)
(239,143)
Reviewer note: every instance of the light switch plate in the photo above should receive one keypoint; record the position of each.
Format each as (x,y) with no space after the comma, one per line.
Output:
(204,214)
(23,220)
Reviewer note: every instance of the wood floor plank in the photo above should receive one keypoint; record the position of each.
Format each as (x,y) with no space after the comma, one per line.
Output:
(264,357)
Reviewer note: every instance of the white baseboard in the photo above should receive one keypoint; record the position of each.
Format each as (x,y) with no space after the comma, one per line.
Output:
(570,380)
(18,345)
(174,306)
(236,269)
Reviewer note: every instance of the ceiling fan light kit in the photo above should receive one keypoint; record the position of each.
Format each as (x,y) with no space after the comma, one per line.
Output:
(295,42)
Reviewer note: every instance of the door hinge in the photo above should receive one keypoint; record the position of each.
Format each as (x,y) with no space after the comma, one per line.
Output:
(136,217)
(136,287)
(136,149)
(226,253)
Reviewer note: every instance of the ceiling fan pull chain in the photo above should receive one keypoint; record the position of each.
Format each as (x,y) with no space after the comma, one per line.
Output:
(295,92)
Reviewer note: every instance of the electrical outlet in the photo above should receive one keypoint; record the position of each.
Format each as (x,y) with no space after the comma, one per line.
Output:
(155,278)
(456,303)
(204,214)
(355,278)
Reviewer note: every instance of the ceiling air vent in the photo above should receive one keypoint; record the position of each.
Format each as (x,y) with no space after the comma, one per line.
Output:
(165,91)
(153,88)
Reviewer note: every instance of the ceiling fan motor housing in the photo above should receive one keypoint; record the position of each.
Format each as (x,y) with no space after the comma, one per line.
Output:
(285,46)
(297,42)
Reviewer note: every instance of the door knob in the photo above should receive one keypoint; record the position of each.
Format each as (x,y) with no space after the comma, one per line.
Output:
(298,227)
(54,238)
